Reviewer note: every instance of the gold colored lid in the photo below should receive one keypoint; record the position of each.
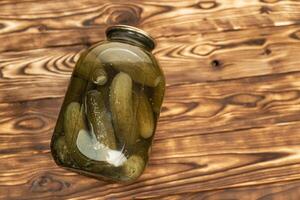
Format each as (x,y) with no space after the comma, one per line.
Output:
(143,35)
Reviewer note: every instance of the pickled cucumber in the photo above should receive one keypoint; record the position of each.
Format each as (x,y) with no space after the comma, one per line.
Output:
(62,151)
(104,90)
(90,147)
(73,122)
(91,68)
(121,108)
(158,96)
(99,119)
(142,73)
(137,65)
(99,76)
(144,116)
(133,167)
(84,146)
(76,87)
(158,91)
(85,154)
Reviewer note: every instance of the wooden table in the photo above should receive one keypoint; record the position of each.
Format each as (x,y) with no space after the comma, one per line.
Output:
(229,128)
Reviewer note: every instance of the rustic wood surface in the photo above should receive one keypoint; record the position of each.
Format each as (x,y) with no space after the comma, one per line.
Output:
(230,125)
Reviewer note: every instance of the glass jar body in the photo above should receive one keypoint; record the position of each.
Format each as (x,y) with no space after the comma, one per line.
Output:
(109,115)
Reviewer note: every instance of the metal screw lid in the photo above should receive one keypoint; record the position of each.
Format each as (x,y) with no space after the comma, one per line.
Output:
(141,35)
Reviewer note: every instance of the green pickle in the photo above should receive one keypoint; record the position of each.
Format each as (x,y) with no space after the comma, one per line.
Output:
(121,108)
(91,68)
(144,115)
(62,151)
(133,167)
(109,115)
(124,61)
(76,87)
(99,119)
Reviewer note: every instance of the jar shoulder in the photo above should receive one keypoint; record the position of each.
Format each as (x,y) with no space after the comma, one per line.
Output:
(113,57)
(107,51)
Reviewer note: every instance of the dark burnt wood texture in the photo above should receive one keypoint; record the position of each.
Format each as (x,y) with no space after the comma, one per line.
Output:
(229,128)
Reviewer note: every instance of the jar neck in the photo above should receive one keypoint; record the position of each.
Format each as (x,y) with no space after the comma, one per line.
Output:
(130,35)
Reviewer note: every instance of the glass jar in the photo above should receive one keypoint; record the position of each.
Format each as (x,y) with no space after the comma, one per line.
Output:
(109,115)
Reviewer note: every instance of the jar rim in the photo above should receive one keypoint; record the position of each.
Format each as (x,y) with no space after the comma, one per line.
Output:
(149,39)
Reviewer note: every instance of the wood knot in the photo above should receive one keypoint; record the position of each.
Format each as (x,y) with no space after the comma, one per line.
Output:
(295,35)
(268,51)
(28,122)
(216,64)
(205,5)
(164,109)
(47,183)
(255,42)
(42,28)
(269,1)
(265,10)
(124,15)
(247,100)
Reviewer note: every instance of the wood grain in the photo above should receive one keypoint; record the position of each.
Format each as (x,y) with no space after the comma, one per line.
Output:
(278,191)
(229,127)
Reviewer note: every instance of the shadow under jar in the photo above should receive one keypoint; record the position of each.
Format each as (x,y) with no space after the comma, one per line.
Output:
(108,118)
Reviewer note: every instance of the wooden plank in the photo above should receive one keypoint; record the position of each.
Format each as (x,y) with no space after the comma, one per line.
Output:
(35,24)
(183,61)
(190,164)
(229,139)
(278,191)
(193,108)
(229,127)
(218,56)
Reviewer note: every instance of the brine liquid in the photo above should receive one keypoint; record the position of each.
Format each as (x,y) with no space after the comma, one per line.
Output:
(109,114)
